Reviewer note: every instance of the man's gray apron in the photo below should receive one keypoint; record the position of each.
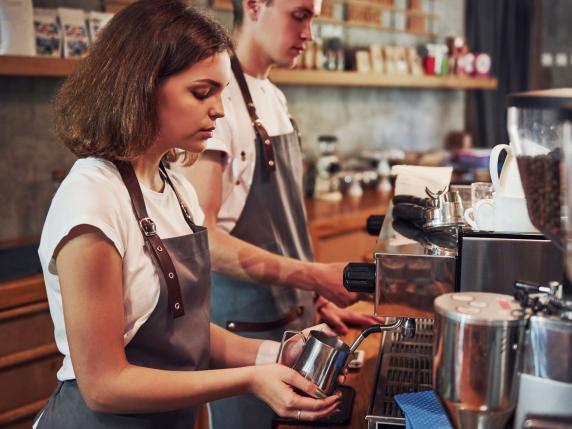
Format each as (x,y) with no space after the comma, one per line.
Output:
(274,219)
(163,342)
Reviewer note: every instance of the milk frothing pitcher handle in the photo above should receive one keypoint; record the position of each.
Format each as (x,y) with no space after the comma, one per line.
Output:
(287,336)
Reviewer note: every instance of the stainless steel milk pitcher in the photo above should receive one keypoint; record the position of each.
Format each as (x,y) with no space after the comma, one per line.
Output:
(324,357)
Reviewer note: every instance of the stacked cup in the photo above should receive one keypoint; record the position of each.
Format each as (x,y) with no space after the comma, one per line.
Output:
(500,207)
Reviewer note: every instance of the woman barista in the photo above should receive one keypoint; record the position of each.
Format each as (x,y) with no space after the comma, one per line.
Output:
(125,261)
(249,184)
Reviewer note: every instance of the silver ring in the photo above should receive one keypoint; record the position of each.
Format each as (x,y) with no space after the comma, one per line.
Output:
(299,414)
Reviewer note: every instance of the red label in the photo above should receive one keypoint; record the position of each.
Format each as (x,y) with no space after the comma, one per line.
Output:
(505,305)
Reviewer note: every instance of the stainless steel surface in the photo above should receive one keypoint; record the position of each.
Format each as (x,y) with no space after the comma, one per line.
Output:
(404,365)
(480,308)
(492,262)
(542,396)
(408,328)
(565,115)
(376,328)
(323,357)
(548,352)
(476,357)
(446,210)
(410,274)
(547,422)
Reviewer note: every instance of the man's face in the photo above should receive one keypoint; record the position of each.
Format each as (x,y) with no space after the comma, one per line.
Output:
(284,27)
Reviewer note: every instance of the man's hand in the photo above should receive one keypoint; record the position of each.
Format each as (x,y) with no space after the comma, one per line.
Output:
(339,318)
(329,278)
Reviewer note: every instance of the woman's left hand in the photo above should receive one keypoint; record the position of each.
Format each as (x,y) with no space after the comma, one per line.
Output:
(294,346)
(339,318)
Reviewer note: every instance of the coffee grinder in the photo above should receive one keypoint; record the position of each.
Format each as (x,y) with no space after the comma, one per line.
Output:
(539,126)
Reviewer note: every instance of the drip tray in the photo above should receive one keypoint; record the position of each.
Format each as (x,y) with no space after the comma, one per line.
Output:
(404,365)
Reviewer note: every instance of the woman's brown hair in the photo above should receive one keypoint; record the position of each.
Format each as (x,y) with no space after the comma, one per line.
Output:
(108,106)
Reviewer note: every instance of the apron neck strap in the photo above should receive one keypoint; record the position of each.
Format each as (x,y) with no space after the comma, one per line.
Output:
(259,129)
(149,230)
(186,212)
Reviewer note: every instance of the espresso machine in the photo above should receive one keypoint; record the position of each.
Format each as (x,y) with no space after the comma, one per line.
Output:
(412,268)
(414,265)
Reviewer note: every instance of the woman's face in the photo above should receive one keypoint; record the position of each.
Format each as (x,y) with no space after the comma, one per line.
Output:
(189,102)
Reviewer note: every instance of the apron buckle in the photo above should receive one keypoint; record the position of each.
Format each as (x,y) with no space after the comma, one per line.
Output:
(148,226)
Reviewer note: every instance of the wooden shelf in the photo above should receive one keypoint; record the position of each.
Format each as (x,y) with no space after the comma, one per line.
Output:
(222,5)
(226,6)
(355,79)
(14,65)
(378,27)
(11,65)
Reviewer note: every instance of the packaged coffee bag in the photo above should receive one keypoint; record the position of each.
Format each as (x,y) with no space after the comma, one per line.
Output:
(16,27)
(74,30)
(47,31)
(96,21)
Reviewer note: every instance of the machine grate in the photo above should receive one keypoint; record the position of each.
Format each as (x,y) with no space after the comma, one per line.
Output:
(406,367)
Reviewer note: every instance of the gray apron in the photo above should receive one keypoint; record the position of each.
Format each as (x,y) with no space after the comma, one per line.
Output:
(162,342)
(274,219)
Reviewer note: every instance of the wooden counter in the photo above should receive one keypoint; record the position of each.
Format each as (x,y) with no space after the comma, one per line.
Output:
(337,229)
(326,217)
(362,379)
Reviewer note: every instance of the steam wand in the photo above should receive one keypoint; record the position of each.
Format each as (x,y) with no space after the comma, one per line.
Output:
(407,330)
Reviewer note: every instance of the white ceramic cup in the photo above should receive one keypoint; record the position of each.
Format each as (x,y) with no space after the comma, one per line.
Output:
(502,213)
(511,214)
(480,217)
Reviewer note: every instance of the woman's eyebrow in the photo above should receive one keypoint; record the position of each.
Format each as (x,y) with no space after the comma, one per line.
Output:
(210,82)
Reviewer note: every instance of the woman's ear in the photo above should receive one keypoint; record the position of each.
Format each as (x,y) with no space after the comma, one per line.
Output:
(251,9)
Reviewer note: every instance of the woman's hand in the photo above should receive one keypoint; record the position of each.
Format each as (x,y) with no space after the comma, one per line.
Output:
(275,385)
(292,347)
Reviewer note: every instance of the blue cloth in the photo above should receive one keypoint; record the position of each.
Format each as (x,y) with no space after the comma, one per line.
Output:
(423,410)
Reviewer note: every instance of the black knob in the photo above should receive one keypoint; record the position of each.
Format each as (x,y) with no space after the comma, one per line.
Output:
(359,277)
(374,224)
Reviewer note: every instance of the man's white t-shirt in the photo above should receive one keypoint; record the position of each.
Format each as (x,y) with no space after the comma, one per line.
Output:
(234,136)
(94,194)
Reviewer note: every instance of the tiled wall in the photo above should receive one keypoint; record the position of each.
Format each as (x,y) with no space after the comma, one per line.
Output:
(362,118)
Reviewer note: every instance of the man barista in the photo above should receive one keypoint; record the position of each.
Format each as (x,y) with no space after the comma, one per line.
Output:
(249,185)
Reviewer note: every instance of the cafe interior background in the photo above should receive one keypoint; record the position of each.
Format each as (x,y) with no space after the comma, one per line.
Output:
(517,34)
(400,114)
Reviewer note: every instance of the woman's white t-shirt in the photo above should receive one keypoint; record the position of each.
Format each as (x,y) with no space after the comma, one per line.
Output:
(94,194)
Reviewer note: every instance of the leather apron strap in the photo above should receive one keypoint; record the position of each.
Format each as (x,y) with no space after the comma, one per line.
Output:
(186,212)
(149,231)
(238,326)
(259,129)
